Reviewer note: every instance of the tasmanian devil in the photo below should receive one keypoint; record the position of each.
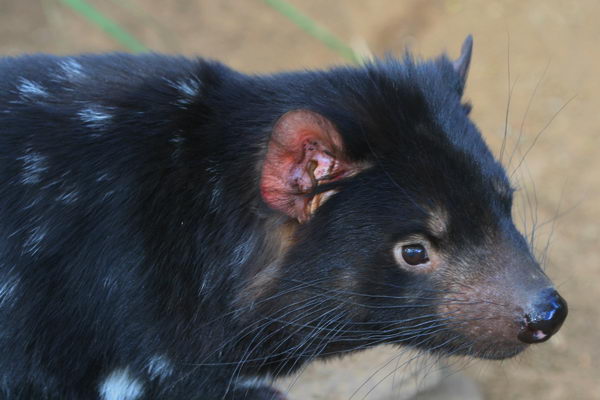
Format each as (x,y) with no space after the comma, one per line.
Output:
(173,229)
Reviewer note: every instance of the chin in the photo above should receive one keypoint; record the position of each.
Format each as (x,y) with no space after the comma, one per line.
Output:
(487,350)
(496,351)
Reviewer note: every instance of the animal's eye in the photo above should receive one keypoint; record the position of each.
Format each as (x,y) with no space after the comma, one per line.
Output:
(414,254)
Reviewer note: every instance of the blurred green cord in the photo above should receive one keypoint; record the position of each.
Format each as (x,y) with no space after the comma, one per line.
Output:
(312,28)
(293,14)
(106,24)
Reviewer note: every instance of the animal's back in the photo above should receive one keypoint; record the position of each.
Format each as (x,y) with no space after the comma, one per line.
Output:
(79,141)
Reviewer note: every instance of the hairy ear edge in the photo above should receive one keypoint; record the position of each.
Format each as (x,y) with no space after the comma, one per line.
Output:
(304,151)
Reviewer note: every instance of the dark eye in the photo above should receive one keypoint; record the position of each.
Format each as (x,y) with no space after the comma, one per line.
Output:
(414,254)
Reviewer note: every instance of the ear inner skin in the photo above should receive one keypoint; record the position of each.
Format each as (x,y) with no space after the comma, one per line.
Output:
(304,151)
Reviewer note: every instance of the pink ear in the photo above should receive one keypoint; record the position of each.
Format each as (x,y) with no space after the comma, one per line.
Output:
(304,151)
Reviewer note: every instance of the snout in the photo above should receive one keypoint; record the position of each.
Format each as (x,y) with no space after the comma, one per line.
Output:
(499,328)
(544,317)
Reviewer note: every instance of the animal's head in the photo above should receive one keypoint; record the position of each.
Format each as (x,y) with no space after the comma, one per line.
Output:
(404,230)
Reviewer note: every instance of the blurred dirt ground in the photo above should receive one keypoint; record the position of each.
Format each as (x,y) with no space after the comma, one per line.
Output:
(560,175)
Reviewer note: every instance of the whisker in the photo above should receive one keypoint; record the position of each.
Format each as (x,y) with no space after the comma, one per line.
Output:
(529,103)
(275,296)
(318,350)
(510,91)
(551,234)
(539,134)
(435,361)
(386,364)
(249,350)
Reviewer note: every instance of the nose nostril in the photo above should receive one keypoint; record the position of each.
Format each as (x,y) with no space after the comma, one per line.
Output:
(545,319)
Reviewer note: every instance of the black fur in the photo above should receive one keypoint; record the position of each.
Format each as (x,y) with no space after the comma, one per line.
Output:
(132,226)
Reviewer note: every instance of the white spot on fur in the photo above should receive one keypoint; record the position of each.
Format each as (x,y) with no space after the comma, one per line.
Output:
(34,164)
(159,367)
(68,197)
(32,203)
(71,68)
(253,382)
(108,195)
(217,190)
(94,116)
(215,197)
(177,142)
(29,89)
(188,88)
(103,177)
(51,184)
(8,289)
(33,243)
(120,385)
(243,251)
(110,283)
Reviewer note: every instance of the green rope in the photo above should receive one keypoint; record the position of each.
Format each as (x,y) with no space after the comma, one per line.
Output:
(313,29)
(106,24)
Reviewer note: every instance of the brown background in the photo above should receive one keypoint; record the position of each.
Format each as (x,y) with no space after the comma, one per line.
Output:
(562,169)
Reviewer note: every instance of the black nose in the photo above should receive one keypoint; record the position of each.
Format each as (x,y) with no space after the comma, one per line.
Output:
(545,318)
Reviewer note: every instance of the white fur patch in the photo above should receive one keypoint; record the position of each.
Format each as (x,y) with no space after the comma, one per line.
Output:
(94,116)
(33,243)
(29,89)
(188,88)
(243,251)
(119,385)
(8,289)
(178,143)
(159,367)
(108,195)
(215,197)
(216,193)
(34,164)
(68,197)
(253,382)
(104,177)
(71,68)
